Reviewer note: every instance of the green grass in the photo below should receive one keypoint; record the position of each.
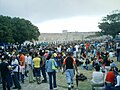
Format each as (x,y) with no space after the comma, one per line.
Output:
(83,85)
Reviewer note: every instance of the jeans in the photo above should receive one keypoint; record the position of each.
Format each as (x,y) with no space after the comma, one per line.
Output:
(69,75)
(52,77)
(91,67)
(15,80)
(6,82)
(44,73)
(37,75)
(109,86)
(22,77)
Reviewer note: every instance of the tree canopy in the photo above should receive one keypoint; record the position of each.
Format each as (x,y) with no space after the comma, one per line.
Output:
(110,24)
(17,30)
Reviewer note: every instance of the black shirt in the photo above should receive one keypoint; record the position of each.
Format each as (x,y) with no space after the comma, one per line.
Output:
(4,69)
(69,62)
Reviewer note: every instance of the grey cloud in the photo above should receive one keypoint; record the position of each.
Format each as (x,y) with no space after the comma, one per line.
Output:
(42,10)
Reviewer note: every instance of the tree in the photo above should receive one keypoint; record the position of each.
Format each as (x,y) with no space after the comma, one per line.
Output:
(110,24)
(17,30)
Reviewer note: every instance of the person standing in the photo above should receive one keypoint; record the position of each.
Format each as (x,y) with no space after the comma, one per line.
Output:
(43,69)
(51,72)
(26,64)
(30,67)
(22,66)
(37,61)
(5,74)
(69,62)
(15,72)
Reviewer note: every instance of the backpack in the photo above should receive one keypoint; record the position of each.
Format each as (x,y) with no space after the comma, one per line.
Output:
(81,77)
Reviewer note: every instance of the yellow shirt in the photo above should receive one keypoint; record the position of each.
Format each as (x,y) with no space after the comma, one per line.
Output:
(54,55)
(36,61)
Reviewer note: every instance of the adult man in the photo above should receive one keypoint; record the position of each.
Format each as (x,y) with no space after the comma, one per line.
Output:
(5,74)
(22,66)
(97,78)
(69,62)
(15,72)
(30,67)
(37,61)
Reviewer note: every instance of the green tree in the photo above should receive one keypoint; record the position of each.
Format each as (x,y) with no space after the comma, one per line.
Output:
(110,25)
(17,30)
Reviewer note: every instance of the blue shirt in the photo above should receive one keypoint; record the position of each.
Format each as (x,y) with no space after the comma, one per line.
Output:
(48,65)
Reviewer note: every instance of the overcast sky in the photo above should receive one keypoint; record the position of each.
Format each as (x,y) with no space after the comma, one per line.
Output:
(57,15)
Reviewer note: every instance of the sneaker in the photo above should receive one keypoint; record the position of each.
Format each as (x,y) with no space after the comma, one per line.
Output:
(55,88)
(69,87)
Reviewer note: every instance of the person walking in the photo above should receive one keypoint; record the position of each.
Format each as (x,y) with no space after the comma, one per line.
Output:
(51,72)
(69,62)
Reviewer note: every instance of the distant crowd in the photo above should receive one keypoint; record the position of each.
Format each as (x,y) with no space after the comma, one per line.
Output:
(41,63)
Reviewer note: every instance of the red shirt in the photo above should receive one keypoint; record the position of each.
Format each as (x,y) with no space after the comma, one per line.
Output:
(87,46)
(22,60)
(110,77)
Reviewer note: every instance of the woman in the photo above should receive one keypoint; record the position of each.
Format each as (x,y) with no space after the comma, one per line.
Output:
(51,72)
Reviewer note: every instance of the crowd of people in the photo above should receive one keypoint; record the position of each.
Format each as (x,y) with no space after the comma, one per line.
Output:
(41,63)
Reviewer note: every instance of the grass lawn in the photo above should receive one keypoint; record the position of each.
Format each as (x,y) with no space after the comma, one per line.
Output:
(83,85)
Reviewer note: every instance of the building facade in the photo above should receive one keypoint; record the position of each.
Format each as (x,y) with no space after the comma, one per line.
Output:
(64,36)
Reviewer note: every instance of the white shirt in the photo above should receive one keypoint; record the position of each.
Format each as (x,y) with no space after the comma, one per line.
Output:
(30,62)
(15,62)
(76,46)
(59,49)
(111,54)
(26,62)
(97,77)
